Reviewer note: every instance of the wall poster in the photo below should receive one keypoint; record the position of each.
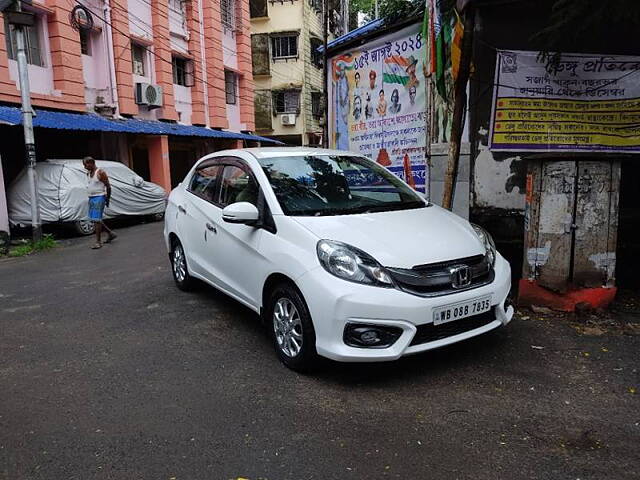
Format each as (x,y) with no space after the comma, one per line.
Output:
(377,103)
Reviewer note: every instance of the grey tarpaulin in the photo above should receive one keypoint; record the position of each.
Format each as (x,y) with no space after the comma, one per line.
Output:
(63,195)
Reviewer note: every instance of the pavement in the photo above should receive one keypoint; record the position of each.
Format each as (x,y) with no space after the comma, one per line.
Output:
(107,371)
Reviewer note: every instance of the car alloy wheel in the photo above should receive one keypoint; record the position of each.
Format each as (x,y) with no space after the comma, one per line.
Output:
(183,280)
(179,265)
(292,331)
(85,227)
(287,327)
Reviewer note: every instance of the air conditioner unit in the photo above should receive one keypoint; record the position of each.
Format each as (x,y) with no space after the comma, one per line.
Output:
(288,119)
(147,94)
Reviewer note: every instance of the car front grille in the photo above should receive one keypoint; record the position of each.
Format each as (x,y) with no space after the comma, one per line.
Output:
(435,279)
(430,332)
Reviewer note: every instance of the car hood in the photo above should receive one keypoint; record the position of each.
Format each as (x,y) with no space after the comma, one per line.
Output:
(403,238)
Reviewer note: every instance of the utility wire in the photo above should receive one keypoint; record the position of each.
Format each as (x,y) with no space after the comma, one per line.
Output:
(128,35)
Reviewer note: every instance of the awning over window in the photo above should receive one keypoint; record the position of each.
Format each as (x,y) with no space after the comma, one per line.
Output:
(93,122)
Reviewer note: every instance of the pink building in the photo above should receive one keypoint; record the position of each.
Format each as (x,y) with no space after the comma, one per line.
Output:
(153,83)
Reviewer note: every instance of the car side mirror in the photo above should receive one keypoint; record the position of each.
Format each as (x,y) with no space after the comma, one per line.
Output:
(241,212)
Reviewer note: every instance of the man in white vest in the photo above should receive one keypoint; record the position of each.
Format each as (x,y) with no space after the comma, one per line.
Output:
(99,192)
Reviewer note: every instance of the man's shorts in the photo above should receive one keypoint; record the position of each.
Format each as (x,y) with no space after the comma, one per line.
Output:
(96,207)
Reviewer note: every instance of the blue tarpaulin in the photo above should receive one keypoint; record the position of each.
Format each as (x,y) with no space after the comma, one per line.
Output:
(354,34)
(93,122)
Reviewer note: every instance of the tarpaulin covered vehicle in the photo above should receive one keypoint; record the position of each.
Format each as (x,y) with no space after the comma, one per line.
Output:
(63,197)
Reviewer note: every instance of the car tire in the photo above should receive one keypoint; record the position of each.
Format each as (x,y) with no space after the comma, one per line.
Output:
(84,227)
(184,281)
(291,328)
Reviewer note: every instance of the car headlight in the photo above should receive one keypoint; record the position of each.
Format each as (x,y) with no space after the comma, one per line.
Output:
(487,241)
(350,263)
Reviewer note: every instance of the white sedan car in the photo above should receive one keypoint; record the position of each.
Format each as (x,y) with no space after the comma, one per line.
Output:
(340,257)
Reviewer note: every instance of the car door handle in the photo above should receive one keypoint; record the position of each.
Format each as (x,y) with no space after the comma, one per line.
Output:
(182,209)
(211,228)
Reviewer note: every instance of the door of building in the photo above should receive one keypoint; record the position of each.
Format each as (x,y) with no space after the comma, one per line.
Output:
(571,223)
(140,162)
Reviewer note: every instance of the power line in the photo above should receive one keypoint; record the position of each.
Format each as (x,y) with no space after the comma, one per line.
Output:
(193,75)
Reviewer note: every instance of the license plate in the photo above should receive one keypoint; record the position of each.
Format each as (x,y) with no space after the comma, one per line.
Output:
(456,311)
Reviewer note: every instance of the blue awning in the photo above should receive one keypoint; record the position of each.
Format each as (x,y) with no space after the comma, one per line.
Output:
(359,32)
(93,122)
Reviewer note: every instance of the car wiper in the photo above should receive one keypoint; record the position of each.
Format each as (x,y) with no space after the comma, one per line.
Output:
(396,206)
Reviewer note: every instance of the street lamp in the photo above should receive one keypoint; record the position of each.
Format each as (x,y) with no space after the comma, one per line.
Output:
(19,19)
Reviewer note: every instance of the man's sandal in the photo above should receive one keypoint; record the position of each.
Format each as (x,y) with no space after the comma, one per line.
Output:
(96,246)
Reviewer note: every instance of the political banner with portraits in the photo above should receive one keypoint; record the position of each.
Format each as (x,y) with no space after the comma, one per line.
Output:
(377,103)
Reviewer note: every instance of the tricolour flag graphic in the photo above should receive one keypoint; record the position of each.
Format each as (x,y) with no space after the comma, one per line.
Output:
(343,62)
(395,70)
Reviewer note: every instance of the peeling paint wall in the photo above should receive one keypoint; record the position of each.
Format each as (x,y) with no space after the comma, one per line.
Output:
(497,183)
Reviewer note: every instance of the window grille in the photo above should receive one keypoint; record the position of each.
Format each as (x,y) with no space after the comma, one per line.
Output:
(316,104)
(284,46)
(138,59)
(287,101)
(228,13)
(32,43)
(230,87)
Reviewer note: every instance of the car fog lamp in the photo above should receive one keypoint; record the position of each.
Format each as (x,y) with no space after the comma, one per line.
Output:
(370,336)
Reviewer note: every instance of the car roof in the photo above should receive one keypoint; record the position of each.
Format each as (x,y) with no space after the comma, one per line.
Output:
(269,152)
(78,161)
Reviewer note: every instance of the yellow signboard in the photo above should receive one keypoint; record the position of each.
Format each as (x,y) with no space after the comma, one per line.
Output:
(581,103)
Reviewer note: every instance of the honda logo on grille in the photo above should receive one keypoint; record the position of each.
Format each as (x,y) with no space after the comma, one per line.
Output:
(460,276)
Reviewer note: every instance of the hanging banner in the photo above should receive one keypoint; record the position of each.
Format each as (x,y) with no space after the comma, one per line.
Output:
(377,103)
(583,103)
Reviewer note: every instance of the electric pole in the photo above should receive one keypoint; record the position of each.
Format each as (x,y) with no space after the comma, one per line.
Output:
(325,70)
(20,19)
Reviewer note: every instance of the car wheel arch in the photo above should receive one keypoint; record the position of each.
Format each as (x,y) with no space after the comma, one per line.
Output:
(173,239)
(269,284)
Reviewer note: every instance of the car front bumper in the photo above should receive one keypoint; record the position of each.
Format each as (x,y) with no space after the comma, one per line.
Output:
(333,303)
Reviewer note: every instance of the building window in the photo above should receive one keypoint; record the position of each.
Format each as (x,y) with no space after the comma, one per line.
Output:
(260,54)
(85,41)
(287,101)
(284,46)
(177,6)
(316,57)
(262,109)
(316,104)
(138,59)
(182,72)
(228,12)
(230,87)
(32,43)
(258,9)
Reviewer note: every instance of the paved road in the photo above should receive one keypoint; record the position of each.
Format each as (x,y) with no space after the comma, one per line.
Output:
(107,371)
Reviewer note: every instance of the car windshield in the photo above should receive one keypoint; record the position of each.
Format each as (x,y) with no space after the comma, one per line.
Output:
(315,185)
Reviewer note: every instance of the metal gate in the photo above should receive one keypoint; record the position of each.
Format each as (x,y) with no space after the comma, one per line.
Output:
(571,223)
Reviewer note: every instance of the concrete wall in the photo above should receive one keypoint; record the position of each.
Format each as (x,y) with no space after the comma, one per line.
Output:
(284,74)
(69,80)
(293,16)
(437,169)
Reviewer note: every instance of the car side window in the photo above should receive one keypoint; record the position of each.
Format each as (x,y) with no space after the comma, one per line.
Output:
(203,182)
(237,185)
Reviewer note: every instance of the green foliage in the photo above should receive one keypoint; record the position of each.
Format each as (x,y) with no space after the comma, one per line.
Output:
(389,9)
(45,243)
(572,22)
